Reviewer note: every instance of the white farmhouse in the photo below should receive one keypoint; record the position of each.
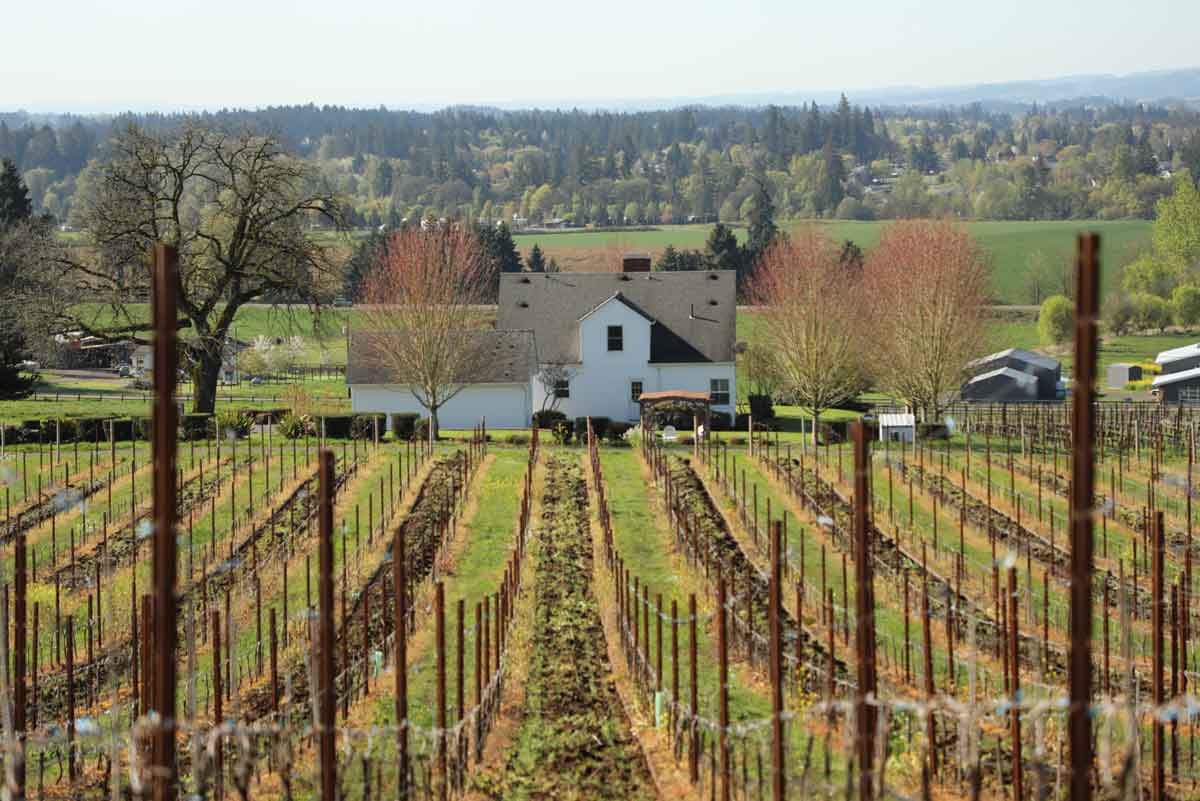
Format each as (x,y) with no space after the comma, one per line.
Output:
(618,335)
(614,336)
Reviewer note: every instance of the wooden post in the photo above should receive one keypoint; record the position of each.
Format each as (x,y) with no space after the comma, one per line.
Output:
(1079,671)
(325,692)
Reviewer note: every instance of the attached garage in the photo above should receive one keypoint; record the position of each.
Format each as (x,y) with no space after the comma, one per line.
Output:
(499,390)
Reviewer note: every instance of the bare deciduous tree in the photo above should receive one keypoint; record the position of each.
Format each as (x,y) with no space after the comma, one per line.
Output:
(234,204)
(926,284)
(550,377)
(421,309)
(809,321)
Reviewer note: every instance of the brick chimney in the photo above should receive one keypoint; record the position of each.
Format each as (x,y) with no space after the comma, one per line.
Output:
(635,263)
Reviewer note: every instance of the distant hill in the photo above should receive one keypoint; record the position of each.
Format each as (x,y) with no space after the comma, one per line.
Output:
(1164,86)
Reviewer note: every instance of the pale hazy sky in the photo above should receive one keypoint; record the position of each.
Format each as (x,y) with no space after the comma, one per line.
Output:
(102,56)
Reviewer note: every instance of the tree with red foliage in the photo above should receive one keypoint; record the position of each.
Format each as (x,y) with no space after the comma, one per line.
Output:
(809,320)
(926,288)
(421,311)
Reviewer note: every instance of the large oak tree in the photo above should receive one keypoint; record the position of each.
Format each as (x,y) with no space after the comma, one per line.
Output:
(238,208)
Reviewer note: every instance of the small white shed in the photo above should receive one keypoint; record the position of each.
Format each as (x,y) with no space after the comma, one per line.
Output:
(899,427)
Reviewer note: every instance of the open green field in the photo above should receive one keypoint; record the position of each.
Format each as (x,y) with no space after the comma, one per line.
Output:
(1009,244)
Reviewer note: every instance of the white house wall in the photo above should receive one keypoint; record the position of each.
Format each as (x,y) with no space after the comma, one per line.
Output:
(503,405)
(600,386)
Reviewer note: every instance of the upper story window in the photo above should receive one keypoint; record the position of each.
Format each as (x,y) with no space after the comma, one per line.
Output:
(718,392)
(562,389)
(616,337)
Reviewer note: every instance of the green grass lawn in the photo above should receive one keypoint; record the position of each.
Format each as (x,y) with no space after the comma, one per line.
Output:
(1008,244)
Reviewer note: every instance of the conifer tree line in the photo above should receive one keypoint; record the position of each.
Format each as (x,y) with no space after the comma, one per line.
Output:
(679,165)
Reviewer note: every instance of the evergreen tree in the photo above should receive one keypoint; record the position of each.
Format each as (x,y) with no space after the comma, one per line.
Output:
(536,261)
(721,251)
(17,228)
(829,188)
(366,255)
(762,229)
(15,204)
(673,260)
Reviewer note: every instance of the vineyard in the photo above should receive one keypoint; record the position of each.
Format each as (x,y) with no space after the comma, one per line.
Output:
(1002,609)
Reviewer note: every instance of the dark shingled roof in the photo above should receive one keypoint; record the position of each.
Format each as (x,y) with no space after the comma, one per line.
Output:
(694,313)
(504,357)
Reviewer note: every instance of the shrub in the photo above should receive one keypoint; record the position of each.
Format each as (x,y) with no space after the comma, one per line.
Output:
(270,417)
(91,429)
(761,407)
(518,439)
(719,421)
(741,422)
(1056,320)
(364,426)
(933,431)
(234,423)
(120,430)
(66,429)
(1151,312)
(295,426)
(618,429)
(337,426)
(1185,305)
(1119,313)
(195,426)
(403,424)
(547,418)
(421,429)
(143,428)
(599,427)
(562,432)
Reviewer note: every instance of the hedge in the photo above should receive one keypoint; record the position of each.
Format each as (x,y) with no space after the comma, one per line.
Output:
(404,424)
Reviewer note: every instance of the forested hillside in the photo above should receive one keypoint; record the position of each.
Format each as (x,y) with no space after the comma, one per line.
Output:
(699,164)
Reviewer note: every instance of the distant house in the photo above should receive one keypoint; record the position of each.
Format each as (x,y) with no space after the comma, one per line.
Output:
(142,361)
(1121,374)
(1178,387)
(999,368)
(1177,360)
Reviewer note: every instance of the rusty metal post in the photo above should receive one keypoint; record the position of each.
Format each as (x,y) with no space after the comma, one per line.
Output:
(1156,679)
(1079,669)
(19,650)
(439,618)
(864,597)
(1015,670)
(726,782)
(400,579)
(274,663)
(325,694)
(166,424)
(70,636)
(694,693)
(217,698)
(775,669)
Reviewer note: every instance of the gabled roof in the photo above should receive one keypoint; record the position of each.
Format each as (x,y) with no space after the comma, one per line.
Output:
(694,313)
(1027,356)
(1006,372)
(1177,354)
(500,357)
(1172,378)
(619,298)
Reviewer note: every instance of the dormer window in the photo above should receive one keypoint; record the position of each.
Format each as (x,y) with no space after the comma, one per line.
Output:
(616,338)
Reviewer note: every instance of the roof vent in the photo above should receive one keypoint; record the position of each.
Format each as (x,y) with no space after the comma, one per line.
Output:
(523,304)
(525,280)
(713,277)
(712,303)
(624,277)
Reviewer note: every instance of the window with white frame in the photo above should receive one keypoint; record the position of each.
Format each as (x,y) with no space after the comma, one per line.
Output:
(718,392)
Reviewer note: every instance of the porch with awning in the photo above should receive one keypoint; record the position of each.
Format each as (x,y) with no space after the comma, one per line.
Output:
(698,402)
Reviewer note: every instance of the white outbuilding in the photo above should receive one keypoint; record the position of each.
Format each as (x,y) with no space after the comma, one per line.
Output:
(897,427)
